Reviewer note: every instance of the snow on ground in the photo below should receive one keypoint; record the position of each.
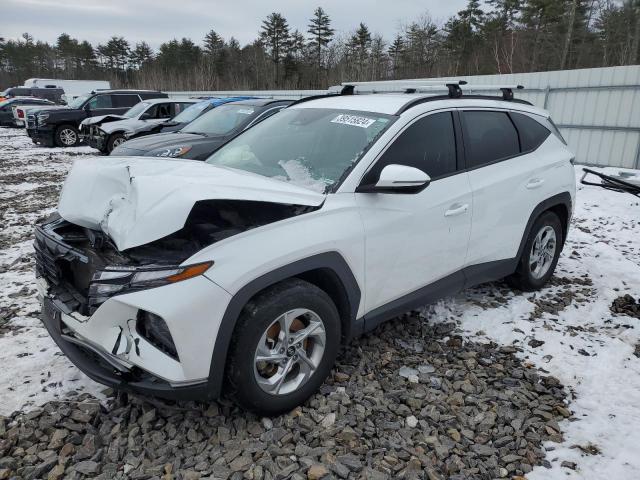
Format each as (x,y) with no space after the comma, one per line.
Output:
(587,348)
(567,329)
(32,368)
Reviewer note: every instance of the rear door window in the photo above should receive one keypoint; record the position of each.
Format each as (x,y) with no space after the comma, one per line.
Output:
(428,144)
(488,137)
(100,101)
(532,133)
(125,100)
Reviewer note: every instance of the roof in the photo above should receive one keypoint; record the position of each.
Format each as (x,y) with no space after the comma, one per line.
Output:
(124,90)
(170,100)
(261,102)
(391,103)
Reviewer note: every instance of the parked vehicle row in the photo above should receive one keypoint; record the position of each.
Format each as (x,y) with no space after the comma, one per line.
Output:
(59,126)
(8,106)
(244,273)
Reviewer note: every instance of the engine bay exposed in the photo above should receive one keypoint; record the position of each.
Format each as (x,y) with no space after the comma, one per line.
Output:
(68,256)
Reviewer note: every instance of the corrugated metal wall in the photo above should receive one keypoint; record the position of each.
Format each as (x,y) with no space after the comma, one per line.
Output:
(597,109)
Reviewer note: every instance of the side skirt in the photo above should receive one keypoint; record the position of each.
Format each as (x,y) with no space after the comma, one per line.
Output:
(447,286)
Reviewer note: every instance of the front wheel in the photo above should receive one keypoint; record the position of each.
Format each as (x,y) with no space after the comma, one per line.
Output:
(284,346)
(115,140)
(540,254)
(67,136)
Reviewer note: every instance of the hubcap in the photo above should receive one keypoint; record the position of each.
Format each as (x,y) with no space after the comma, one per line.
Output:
(289,351)
(68,136)
(542,252)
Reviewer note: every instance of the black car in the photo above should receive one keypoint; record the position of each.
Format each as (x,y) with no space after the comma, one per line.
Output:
(205,134)
(59,126)
(6,112)
(51,93)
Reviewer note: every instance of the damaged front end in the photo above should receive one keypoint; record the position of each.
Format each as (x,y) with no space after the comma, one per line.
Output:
(137,318)
(83,267)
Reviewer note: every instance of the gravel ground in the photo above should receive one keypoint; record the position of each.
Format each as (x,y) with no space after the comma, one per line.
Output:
(421,397)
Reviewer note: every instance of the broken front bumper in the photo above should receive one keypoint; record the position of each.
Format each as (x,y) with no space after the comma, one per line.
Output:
(109,340)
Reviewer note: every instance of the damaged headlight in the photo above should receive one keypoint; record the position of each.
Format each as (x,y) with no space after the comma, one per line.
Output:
(116,280)
(171,152)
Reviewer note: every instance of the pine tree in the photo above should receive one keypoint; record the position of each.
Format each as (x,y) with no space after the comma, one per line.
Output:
(141,55)
(275,37)
(396,52)
(321,34)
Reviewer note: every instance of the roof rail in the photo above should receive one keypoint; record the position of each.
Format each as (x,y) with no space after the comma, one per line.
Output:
(455,89)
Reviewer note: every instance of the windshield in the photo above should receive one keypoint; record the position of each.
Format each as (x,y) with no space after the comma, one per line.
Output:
(136,110)
(77,102)
(190,113)
(221,120)
(309,147)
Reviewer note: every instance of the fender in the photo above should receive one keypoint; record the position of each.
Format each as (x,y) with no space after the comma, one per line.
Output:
(329,260)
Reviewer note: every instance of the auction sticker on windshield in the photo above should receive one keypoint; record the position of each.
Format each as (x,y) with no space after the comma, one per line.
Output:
(354,120)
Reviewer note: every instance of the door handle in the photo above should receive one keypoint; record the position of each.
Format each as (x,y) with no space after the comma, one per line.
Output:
(534,183)
(456,209)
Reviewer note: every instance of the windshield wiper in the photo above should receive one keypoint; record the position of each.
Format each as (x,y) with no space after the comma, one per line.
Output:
(199,133)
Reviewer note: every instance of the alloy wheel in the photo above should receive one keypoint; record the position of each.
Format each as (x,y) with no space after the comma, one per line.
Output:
(543,252)
(289,352)
(68,137)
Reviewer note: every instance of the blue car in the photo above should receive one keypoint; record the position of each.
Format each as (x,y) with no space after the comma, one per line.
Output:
(194,111)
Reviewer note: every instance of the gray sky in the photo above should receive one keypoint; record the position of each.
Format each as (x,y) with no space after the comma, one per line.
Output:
(156,21)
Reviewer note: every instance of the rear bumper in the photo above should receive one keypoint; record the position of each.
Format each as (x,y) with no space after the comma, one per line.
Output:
(98,365)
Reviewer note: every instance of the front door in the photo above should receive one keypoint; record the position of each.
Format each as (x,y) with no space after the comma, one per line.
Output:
(416,243)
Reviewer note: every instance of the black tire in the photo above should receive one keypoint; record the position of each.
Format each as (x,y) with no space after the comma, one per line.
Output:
(115,140)
(66,136)
(524,278)
(255,319)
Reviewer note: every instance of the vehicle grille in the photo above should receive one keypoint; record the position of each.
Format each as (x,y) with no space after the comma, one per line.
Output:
(65,267)
(31,120)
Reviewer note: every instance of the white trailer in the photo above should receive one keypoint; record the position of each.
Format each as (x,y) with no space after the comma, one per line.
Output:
(72,88)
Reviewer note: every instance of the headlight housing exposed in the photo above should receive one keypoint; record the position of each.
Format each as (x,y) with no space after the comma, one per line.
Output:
(121,279)
(42,118)
(171,152)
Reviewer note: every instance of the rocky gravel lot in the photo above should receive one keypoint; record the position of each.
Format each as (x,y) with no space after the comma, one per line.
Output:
(490,384)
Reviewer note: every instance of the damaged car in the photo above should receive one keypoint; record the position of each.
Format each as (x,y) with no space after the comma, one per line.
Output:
(245,273)
(204,135)
(106,132)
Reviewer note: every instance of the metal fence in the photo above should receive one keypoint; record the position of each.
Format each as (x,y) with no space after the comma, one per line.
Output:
(597,109)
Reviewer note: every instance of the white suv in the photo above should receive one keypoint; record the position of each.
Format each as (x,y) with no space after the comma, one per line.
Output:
(177,277)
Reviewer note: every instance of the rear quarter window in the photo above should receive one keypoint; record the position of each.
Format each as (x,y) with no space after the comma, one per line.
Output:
(532,133)
(489,137)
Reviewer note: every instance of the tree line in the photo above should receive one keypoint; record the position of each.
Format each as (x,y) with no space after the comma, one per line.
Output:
(499,36)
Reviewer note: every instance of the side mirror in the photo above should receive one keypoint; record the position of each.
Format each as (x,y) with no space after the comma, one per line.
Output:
(86,108)
(145,116)
(399,178)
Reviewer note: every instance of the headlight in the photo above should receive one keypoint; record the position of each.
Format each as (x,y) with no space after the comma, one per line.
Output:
(120,279)
(171,152)
(42,118)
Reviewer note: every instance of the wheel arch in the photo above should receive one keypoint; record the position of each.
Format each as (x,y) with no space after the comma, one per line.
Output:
(329,271)
(561,205)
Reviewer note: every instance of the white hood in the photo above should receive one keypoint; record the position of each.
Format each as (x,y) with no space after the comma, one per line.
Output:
(136,200)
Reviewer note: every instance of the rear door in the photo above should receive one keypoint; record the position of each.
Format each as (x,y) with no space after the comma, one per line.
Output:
(416,239)
(508,177)
(124,101)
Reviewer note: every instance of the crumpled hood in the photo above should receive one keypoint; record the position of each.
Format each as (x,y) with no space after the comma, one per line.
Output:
(136,200)
(128,125)
(101,118)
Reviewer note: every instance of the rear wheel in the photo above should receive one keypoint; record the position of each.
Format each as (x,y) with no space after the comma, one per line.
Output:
(115,140)
(540,254)
(67,136)
(284,346)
